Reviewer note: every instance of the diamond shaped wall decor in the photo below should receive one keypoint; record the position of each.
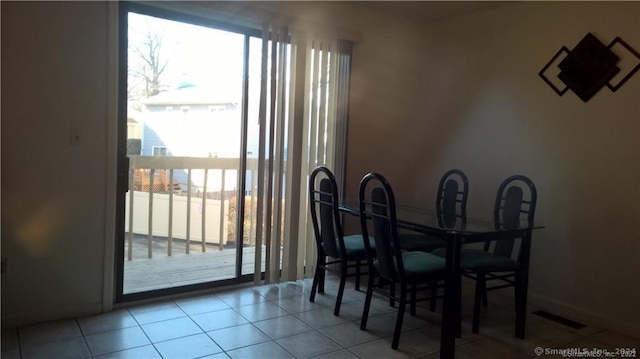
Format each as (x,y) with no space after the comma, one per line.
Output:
(616,41)
(589,67)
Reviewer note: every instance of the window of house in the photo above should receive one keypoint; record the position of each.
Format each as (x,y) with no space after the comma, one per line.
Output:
(159,151)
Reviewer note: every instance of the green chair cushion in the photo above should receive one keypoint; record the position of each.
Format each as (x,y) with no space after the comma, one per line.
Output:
(420,266)
(420,242)
(440,252)
(481,261)
(354,244)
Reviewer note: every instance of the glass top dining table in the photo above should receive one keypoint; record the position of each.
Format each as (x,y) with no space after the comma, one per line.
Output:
(458,231)
(427,221)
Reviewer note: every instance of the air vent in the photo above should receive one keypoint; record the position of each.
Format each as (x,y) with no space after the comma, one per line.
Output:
(558,319)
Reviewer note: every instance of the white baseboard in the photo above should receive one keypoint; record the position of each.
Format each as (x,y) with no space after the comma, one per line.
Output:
(584,316)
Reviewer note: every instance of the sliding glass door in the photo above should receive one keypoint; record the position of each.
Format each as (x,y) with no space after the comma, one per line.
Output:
(219,127)
(188,147)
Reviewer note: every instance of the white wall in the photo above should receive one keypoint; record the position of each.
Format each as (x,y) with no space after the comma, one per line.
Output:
(466,93)
(54,82)
(462,93)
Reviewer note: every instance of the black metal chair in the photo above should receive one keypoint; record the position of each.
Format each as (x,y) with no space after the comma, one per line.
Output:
(392,266)
(451,206)
(515,201)
(346,251)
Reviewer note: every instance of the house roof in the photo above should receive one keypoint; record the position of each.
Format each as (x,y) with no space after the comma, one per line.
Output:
(190,94)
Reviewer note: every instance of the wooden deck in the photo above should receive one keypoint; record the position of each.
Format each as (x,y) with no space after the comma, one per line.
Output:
(163,271)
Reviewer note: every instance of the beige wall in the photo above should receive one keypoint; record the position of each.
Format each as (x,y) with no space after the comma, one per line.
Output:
(461,93)
(54,81)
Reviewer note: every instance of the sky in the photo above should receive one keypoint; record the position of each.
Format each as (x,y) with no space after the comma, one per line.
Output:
(196,54)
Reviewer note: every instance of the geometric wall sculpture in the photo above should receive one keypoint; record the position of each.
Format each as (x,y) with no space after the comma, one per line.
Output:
(589,67)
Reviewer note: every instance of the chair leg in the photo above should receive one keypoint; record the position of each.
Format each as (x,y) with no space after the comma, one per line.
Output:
(321,264)
(480,292)
(392,292)
(485,300)
(358,273)
(399,318)
(367,303)
(414,295)
(316,279)
(434,295)
(343,280)
(520,289)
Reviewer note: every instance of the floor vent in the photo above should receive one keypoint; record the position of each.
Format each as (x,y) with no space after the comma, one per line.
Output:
(558,319)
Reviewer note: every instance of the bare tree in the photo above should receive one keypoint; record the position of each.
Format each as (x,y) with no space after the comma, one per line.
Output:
(146,65)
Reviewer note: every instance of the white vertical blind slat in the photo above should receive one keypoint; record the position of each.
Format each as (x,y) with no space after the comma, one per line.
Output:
(342,68)
(305,226)
(331,105)
(321,94)
(292,265)
(280,126)
(257,273)
(269,200)
(313,119)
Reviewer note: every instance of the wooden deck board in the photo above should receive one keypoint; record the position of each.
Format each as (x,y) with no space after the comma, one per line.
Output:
(163,271)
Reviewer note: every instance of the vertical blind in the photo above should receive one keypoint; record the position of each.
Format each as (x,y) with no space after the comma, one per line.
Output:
(303,119)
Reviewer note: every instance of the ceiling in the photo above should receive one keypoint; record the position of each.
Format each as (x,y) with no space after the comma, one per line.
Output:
(429,11)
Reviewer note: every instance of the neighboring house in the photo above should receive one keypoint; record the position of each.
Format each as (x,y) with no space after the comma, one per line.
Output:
(195,121)
(191,121)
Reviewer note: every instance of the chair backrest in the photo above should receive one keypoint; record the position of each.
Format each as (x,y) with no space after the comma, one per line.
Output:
(323,200)
(451,200)
(515,201)
(378,204)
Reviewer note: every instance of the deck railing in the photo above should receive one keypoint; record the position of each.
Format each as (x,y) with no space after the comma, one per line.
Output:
(186,198)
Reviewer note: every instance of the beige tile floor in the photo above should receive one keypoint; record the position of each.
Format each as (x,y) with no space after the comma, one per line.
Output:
(278,321)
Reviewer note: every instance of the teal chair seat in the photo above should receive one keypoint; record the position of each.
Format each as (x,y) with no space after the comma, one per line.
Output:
(418,265)
(354,245)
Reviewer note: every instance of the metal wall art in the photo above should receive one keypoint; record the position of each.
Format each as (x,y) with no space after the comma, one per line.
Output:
(590,66)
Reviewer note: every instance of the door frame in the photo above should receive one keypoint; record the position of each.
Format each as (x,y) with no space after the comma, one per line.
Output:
(122,161)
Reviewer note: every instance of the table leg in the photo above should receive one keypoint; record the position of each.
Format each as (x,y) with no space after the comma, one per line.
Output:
(521,285)
(452,289)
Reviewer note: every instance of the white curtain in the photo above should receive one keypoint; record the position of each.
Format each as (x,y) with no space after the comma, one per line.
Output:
(303,118)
